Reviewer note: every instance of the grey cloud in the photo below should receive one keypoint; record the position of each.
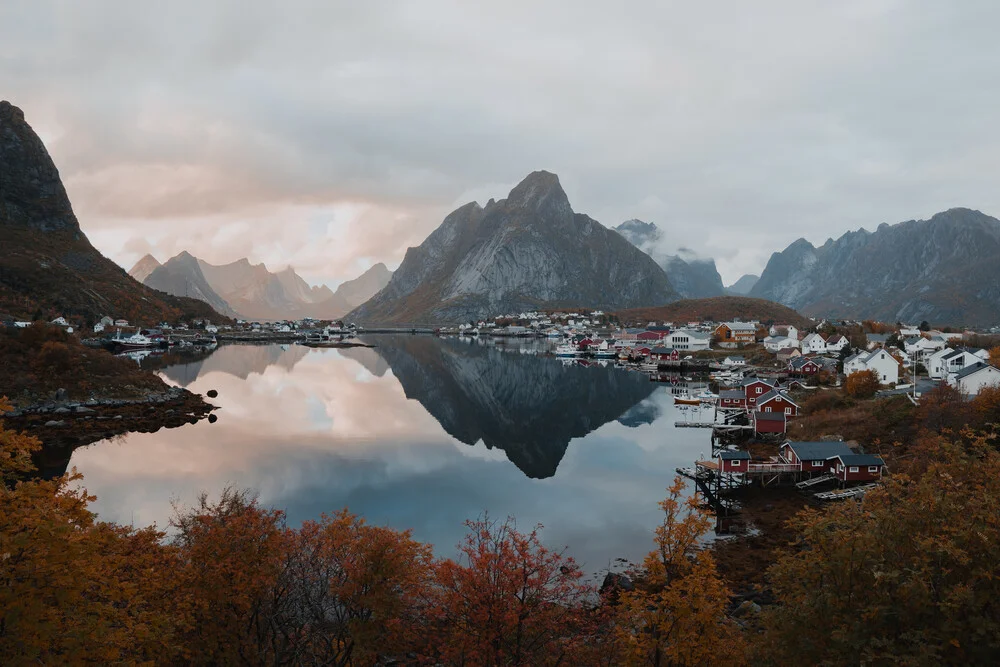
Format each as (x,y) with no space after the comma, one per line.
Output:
(735,127)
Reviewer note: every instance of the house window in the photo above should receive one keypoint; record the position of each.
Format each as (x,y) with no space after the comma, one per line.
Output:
(852,469)
(736,463)
(788,411)
(817,464)
(767,409)
(873,469)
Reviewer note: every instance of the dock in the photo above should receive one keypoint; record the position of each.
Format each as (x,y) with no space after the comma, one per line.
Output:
(843,494)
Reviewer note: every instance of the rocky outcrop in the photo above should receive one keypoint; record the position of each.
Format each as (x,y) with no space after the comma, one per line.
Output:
(47,264)
(527,251)
(528,406)
(692,277)
(943,270)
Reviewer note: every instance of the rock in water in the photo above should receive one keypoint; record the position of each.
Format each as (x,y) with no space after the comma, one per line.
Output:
(525,252)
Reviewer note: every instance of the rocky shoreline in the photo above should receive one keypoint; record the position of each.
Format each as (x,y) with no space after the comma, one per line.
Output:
(63,425)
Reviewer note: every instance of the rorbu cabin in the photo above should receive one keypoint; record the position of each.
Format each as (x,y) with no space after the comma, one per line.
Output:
(858,467)
(769,423)
(777,401)
(814,457)
(730,461)
(732,399)
(754,388)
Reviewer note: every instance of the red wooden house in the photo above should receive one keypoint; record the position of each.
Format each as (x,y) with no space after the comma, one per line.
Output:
(803,366)
(660,353)
(732,399)
(858,467)
(754,388)
(814,457)
(651,336)
(769,423)
(777,401)
(734,461)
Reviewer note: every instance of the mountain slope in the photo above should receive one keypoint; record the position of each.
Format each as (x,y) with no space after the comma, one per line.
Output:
(368,284)
(743,286)
(693,278)
(47,265)
(529,250)
(182,276)
(144,267)
(943,270)
(717,309)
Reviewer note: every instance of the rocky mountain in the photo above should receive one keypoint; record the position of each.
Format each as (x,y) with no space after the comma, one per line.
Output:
(743,286)
(251,291)
(692,277)
(48,267)
(182,276)
(528,406)
(943,270)
(527,251)
(240,361)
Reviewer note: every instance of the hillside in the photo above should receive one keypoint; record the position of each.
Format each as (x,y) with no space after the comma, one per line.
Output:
(48,267)
(943,270)
(718,309)
(527,251)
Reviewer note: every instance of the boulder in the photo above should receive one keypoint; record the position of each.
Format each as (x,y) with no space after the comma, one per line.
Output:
(54,422)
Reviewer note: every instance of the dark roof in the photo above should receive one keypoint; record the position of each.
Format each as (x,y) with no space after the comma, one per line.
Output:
(814,451)
(974,368)
(861,460)
(659,349)
(773,394)
(658,327)
(769,416)
(732,393)
(734,456)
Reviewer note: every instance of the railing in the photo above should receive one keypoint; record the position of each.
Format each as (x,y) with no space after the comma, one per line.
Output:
(772,467)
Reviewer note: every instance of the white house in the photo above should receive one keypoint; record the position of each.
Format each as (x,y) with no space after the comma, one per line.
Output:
(884,364)
(813,343)
(908,332)
(734,361)
(99,327)
(836,343)
(121,323)
(945,363)
(775,343)
(782,330)
(60,321)
(970,381)
(923,347)
(686,339)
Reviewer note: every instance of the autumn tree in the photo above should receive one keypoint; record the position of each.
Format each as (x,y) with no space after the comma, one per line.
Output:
(905,576)
(943,408)
(862,384)
(986,407)
(995,356)
(507,600)
(677,613)
(15,450)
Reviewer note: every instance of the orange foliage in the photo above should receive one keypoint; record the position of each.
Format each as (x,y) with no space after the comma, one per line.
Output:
(861,384)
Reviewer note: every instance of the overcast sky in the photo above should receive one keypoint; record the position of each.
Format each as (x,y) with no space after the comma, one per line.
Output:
(332,135)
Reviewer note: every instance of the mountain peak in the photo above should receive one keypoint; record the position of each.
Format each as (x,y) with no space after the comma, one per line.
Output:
(144,267)
(539,189)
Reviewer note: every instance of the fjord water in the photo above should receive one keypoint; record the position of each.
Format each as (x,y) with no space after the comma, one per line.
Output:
(419,432)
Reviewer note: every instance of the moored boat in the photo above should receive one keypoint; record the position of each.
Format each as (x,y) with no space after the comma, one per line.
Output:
(567,351)
(686,399)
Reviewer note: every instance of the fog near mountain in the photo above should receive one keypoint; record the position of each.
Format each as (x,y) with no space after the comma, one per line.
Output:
(251,291)
(527,251)
(691,276)
(944,270)
(743,286)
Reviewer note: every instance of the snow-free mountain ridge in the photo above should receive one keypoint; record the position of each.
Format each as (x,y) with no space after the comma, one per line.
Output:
(692,277)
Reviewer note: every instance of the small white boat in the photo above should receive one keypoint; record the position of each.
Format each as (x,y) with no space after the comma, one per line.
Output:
(568,351)
(136,341)
(705,396)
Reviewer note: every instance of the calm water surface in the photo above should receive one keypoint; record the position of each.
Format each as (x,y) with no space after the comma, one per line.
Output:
(418,433)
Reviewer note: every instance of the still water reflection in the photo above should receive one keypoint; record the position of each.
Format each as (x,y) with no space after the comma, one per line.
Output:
(418,433)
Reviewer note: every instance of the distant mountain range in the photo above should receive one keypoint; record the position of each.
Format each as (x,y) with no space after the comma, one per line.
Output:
(251,291)
(692,277)
(944,270)
(743,286)
(48,267)
(524,252)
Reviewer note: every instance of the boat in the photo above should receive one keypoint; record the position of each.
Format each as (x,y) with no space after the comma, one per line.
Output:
(705,396)
(136,341)
(568,351)
(685,399)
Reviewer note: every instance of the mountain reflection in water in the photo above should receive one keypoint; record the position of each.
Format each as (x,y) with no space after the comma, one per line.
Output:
(418,433)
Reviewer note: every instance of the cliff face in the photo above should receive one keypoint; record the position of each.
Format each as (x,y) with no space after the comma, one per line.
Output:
(527,406)
(943,270)
(743,286)
(47,265)
(527,251)
(693,278)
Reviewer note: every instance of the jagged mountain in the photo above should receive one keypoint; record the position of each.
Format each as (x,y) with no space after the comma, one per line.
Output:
(527,251)
(182,276)
(47,265)
(144,267)
(240,361)
(528,406)
(251,291)
(692,277)
(943,270)
(743,286)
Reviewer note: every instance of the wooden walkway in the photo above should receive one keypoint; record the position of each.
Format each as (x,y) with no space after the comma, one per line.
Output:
(843,494)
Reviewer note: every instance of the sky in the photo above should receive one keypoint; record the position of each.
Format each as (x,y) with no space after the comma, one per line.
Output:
(333,135)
